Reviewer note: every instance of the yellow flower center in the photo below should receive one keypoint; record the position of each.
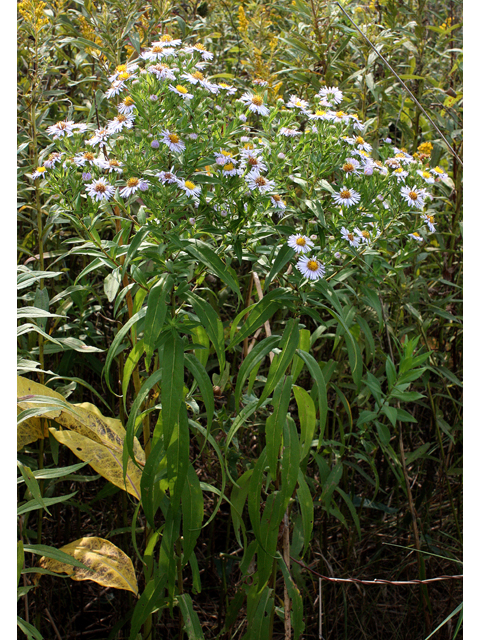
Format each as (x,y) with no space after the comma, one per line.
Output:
(400,155)
(350,236)
(413,195)
(339,114)
(88,156)
(121,68)
(416,234)
(61,125)
(260,181)
(189,185)
(173,138)
(40,169)
(359,140)
(345,194)
(426,175)
(399,170)
(312,265)
(226,153)
(124,76)
(438,170)
(54,155)
(168,175)
(431,219)
(181,89)
(198,75)
(348,166)
(166,38)
(224,85)
(320,113)
(301,242)
(157,49)
(114,163)
(277,198)
(257,101)
(252,161)
(132,182)
(199,47)
(228,167)
(100,187)
(365,234)
(128,101)
(121,118)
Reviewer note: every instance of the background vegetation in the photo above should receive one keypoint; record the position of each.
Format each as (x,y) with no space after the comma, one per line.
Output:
(386,490)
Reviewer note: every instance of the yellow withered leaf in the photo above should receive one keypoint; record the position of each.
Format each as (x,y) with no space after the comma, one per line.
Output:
(109,565)
(85,419)
(30,430)
(105,460)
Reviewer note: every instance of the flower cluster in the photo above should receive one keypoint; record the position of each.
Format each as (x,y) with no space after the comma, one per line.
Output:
(180,145)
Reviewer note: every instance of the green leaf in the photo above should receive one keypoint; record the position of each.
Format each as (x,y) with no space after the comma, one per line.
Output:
(320,390)
(306,508)
(259,313)
(200,336)
(20,560)
(383,432)
(156,312)
(306,414)
(212,325)
(54,554)
(275,423)
(190,617)
(202,252)
(254,358)
(391,413)
(304,345)
(29,630)
(112,352)
(147,602)
(129,366)
(192,511)
(285,254)
(198,371)
(331,484)
(172,384)
(177,457)
(33,485)
(352,510)
(281,361)
(32,505)
(290,462)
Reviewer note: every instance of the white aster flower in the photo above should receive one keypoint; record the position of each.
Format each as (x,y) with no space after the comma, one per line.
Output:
(133,184)
(300,243)
(180,90)
(429,221)
(346,197)
(162,71)
(361,144)
(350,166)
(110,165)
(338,116)
(62,128)
(429,179)
(120,122)
(289,133)
(416,236)
(199,48)
(404,158)
(439,172)
(320,114)
(122,69)
(167,40)
(157,52)
(311,268)
(52,159)
(100,189)
(82,158)
(223,86)
(350,237)
(199,78)
(167,177)
(256,181)
(255,103)
(173,142)
(190,188)
(126,106)
(260,82)
(229,169)
(400,174)
(331,94)
(363,235)
(413,196)
(100,137)
(39,173)
(277,201)
(296,102)
(252,159)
